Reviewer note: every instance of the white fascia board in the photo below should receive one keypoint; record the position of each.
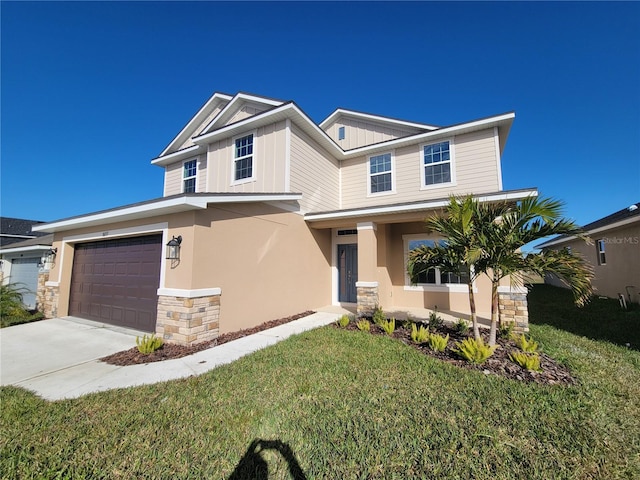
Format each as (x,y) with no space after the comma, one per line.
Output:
(177,156)
(160,207)
(604,228)
(376,118)
(240,97)
(433,135)
(197,118)
(31,248)
(428,205)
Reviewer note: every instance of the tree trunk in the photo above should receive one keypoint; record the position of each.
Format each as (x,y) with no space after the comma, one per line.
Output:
(472,308)
(494,312)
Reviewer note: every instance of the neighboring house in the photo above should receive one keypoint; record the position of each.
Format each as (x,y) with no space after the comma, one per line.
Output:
(614,253)
(20,264)
(14,230)
(276,215)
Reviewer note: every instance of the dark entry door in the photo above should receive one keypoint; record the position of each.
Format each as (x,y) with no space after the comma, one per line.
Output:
(347,273)
(116,281)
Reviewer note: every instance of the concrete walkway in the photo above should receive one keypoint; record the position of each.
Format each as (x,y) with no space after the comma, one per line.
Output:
(64,364)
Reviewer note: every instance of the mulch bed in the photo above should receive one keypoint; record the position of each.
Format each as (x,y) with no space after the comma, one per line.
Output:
(169,351)
(498,364)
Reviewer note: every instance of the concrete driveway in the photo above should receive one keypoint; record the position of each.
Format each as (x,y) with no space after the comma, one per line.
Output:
(41,348)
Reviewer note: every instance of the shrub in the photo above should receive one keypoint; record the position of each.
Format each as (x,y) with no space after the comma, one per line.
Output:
(438,343)
(11,301)
(343,321)
(530,362)
(505,330)
(419,335)
(462,326)
(389,326)
(363,325)
(474,350)
(378,316)
(435,321)
(148,345)
(525,345)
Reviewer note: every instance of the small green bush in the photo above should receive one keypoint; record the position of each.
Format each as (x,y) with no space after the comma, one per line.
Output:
(363,325)
(505,330)
(419,335)
(525,360)
(379,316)
(343,321)
(148,345)
(11,301)
(435,321)
(389,326)
(525,345)
(474,350)
(462,326)
(438,343)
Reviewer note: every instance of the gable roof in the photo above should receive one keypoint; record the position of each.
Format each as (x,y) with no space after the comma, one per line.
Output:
(617,219)
(343,112)
(42,242)
(290,110)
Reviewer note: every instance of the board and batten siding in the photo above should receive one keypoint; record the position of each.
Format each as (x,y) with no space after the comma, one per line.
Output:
(188,142)
(269,155)
(475,160)
(247,110)
(314,173)
(359,133)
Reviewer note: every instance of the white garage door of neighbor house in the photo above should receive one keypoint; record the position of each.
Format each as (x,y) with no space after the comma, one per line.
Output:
(24,272)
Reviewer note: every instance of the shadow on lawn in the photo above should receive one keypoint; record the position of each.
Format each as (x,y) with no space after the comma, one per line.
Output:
(253,466)
(601,319)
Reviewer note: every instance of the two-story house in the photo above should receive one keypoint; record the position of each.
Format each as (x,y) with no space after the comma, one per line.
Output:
(275,214)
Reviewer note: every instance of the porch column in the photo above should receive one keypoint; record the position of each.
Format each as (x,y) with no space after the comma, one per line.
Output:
(367,284)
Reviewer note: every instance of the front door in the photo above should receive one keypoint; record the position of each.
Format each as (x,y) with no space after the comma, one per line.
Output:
(347,272)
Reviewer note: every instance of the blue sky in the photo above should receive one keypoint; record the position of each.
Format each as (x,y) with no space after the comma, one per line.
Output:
(92,91)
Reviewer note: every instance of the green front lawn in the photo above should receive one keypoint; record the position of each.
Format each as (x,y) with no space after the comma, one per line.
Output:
(342,405)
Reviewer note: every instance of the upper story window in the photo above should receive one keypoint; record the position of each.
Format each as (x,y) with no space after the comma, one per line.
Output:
(341,134)
(602,259)
(243,158)
(189,173)
(380,174)
(437,164)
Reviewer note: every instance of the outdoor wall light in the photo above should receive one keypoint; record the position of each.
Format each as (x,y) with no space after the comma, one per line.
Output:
(173,248)
(49,256)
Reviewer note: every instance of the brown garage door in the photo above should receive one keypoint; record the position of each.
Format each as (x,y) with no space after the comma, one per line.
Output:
(116,281)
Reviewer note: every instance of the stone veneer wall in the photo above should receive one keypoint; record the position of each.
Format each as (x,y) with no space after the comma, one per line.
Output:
(187,321)
(43,277)
(50,301)
(367,298)
(513,309)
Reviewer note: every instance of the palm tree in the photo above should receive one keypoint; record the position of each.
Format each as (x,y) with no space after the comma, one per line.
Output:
(458,254)
(487,238)
(503,229)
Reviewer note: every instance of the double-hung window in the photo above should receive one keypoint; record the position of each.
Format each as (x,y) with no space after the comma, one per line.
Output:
(434,276)
(437,164)
(380,174)
(243,158)
(602,259)
(189,173)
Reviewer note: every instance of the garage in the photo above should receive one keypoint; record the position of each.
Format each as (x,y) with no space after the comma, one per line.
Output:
(116,281)
(24,273)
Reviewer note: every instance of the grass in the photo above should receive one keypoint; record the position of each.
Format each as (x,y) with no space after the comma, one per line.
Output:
(338,404)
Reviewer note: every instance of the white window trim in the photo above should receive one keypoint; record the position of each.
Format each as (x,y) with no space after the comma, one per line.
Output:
(392,171)
(599,242)
(342,130)
(429,287)
(254,162)
(195,177)
(452,163)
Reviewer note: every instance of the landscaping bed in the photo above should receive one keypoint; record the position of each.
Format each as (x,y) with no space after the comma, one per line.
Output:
(552,372)
(169,351)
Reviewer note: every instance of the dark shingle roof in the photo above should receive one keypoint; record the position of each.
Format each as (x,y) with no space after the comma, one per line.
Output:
(19,227)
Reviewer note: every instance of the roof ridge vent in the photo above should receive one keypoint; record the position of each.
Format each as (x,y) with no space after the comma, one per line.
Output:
(633,207)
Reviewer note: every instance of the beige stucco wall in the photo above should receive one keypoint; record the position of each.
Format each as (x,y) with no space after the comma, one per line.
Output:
(266,260)
(622,254)
(475,163)
(359,132)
